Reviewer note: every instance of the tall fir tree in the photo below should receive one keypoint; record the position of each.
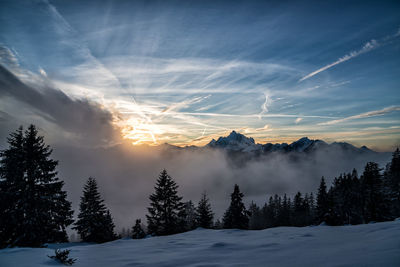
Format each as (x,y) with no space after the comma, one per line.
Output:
(236,215)
(165,207)
(137,230)
(277,209)
(256,219)
(322,202)
(299,210)
(356,201)
(204,213)
(12,184)
(269,213)
(375,208)
(311,202)
(307,203)
(285,212)
(189,216)
(94,222)
(33,205)
(392,182)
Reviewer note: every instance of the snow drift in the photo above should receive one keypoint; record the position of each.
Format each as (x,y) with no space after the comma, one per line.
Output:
(362,245)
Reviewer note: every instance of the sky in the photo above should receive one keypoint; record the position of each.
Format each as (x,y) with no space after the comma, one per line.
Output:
(183,72)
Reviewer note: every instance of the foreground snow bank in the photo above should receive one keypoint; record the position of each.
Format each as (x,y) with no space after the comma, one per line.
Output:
(362,245)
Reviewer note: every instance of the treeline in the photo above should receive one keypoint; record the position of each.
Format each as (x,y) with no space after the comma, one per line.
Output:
(372,197)
(34,209)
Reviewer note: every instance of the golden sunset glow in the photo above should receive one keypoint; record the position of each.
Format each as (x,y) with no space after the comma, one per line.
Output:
(140,132)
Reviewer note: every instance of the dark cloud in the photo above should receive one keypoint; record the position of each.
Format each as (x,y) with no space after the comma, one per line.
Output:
(81,120)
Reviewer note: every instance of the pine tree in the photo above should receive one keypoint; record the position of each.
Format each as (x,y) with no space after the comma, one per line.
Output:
(12,184)
(269,213)
(299,210)
(94,222)
(33,205)
(285,218)
(392,181)
(372,189)
(307,210)
(189,215)
(355,199)
(277,210)
(137,230)
(322,202)
(311,202)
(165,207)
(236,216)
(256,220)
(204,213)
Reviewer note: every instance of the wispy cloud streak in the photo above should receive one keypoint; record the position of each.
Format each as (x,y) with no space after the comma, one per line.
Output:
(366,48)
(207,114)
(364,115)
(369,46)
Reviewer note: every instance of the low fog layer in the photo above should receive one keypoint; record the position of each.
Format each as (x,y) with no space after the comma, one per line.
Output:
(127,174)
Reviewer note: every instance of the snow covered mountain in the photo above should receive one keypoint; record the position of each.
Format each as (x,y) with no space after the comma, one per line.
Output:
(240,143)
(235,142)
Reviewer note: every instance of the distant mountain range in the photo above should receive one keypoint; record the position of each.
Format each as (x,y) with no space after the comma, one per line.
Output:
(237,143)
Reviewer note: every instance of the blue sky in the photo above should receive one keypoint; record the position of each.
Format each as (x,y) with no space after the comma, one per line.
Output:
(184,72)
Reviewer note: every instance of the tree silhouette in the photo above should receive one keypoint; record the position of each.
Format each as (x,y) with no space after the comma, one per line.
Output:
(236,215)
(165,207)
(94,222)
(34,209)
(204,213)
(137,230)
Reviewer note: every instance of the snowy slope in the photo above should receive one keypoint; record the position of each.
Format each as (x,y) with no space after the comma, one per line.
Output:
(363,245)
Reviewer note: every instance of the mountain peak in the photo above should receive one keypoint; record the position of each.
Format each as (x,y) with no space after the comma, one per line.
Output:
(304,139)
(234,141)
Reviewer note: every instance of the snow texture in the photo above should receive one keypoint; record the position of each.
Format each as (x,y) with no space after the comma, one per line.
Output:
(376,244)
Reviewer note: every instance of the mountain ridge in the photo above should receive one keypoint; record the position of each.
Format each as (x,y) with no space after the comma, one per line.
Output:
(239,142)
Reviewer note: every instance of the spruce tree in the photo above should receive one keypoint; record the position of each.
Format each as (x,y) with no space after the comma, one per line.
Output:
(277,209)
(137,230)
(188,216)
(12,184)
(269,213)
(285,212)
(299,210)
(204,213)
(372,189)
(236,215)
(392,181)
(165,207)
(308,220)
(256,220)
(356,201)
(322,202)
(311,202)
(34,207)
(94,222)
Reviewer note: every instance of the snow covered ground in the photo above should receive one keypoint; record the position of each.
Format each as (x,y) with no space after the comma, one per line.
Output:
(363,245)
